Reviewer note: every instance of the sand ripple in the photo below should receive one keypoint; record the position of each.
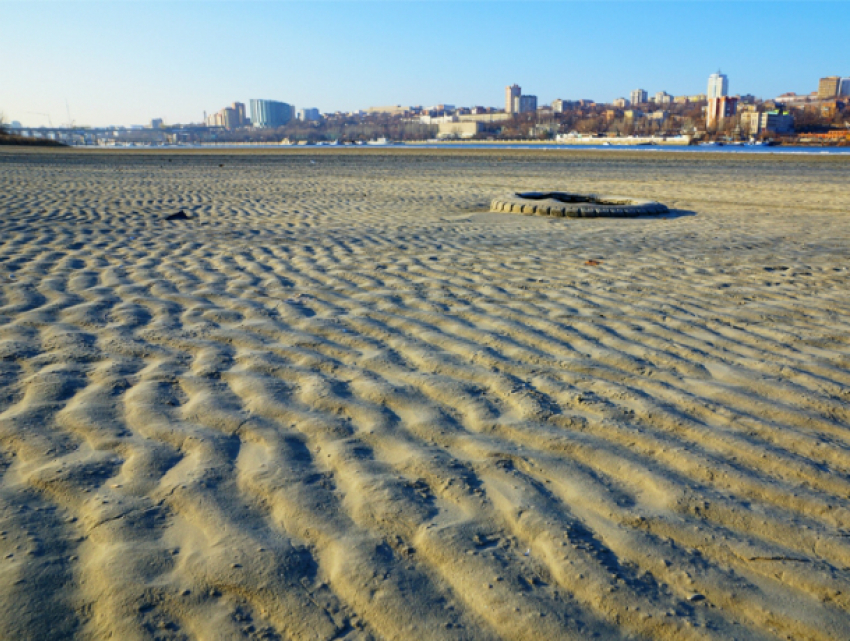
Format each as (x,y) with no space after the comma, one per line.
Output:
(342,401)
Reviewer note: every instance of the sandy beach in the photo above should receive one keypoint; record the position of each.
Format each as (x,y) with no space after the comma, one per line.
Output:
(342,400)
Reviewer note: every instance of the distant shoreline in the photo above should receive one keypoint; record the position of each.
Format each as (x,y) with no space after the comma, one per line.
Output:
(11,140)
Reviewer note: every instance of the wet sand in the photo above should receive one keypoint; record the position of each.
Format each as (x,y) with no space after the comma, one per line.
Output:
(344,401)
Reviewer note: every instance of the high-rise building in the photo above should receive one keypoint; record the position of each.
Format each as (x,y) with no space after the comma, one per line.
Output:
(663,98)
(308,114)
(525,104)
(241,116)
(638,97)
(844,87)
(270,113)
(512,92)
(718,86)
(828,87)
(718,110)
(231,117)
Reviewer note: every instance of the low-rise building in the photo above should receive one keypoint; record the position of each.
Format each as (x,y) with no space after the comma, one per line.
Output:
(466,129)
(774,122)
(829,108)
(392,110)
(620,103)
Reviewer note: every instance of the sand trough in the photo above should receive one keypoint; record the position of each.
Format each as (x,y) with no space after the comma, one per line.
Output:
(562,204)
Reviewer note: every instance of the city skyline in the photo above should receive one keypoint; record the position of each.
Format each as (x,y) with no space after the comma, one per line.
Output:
(82,61)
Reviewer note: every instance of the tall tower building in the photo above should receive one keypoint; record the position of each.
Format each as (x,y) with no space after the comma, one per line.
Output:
(718,86)
(511,93)
(828,87)
(638,96)
(241,118)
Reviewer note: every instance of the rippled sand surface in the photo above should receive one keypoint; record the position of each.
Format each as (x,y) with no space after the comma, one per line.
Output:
(343,401)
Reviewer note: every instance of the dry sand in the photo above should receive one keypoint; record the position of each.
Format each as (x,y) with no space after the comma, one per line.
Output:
(342,401)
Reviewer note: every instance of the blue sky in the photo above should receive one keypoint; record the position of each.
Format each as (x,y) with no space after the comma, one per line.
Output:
(125,62)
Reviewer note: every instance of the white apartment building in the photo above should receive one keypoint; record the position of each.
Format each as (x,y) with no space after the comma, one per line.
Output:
(308,114)
(718,86)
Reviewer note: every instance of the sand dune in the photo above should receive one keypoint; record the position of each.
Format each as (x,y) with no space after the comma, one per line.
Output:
(344,401)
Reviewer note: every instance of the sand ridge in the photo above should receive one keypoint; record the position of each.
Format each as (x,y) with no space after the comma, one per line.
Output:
(345,401)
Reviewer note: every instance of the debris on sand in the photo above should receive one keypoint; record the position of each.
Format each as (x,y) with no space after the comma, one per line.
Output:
(180,215)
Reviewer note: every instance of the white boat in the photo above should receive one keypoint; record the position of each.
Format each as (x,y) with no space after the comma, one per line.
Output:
(379,142)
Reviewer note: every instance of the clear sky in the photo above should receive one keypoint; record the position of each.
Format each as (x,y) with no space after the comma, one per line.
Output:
(125,61)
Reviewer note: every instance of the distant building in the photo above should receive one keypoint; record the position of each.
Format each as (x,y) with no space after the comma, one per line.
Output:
(828,87)
(659,116)
(511,93)
(560,106)
(681,100)
(308,114)
(392,110)
(700,97)
(240,115)
(844,87)
(792,99)
(156,123)
(466,129)
(829,108)
(663,98)
(718,110)
(755,123)
(231,117)
(638,97)
(621,103)
(525,104)
(718,86)
(267,114)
